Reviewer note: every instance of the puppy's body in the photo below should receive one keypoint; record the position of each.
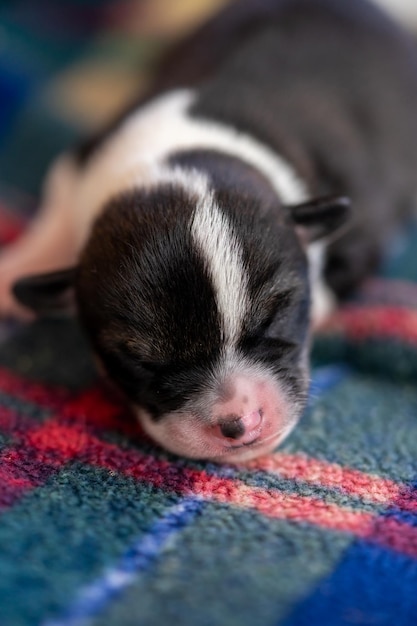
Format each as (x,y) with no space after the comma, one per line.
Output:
(186,217)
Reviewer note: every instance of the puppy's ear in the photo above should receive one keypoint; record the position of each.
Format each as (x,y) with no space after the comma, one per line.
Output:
(321,218)
(47,294)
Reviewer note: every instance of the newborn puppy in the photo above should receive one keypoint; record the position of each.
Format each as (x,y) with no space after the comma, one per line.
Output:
(200,228)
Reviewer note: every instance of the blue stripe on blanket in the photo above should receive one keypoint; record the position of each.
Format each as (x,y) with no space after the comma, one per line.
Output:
(94,598)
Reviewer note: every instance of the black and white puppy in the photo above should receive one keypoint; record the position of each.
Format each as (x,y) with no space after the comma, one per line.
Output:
(195,225)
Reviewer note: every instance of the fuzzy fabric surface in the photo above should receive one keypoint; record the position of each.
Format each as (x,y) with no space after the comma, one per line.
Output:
(100,527)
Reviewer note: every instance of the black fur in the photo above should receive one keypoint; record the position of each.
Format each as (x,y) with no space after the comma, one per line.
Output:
(147,303)
(276,327)
(330,85)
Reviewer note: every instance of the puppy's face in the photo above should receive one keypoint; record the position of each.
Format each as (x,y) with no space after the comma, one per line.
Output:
(197,304)
(198,307)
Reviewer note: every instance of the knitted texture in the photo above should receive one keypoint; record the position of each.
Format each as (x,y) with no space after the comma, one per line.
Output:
(99,526)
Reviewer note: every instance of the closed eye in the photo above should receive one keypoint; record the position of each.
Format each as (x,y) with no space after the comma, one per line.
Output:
(139,352)
(153,367)
(269,329)
(149,367)
(276,345)
(276,307)
(131,358)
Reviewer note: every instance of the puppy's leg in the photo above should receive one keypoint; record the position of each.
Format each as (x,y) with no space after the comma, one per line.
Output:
(49,242)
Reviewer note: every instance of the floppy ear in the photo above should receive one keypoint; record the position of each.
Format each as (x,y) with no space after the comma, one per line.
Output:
(47,294)
(321,217)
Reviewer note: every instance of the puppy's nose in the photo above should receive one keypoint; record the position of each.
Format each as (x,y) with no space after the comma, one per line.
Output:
(233,429)
(243,428)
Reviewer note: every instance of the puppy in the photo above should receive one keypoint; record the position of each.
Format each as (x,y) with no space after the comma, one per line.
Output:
(197,233)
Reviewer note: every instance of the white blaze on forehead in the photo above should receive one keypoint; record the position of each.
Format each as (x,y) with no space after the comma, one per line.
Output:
(219,246)
(221,251)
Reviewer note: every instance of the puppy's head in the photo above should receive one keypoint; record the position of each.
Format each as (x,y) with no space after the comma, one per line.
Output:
(197,305)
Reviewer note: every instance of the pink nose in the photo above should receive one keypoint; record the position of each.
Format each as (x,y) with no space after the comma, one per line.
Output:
(244,429)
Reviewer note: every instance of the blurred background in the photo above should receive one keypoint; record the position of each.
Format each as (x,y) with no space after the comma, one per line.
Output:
(66,67)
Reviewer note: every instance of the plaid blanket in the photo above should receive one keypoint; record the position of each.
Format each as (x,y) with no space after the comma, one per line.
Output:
(99,526)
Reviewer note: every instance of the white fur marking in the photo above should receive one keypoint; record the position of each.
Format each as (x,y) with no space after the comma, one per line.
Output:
(323,301)
(214,237)
(221,249)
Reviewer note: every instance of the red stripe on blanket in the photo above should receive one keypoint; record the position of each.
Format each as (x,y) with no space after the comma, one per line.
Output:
(53,444)
(18,476)
(359,323)
(100,410)
(367,487)
(45,449)
(95,407)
